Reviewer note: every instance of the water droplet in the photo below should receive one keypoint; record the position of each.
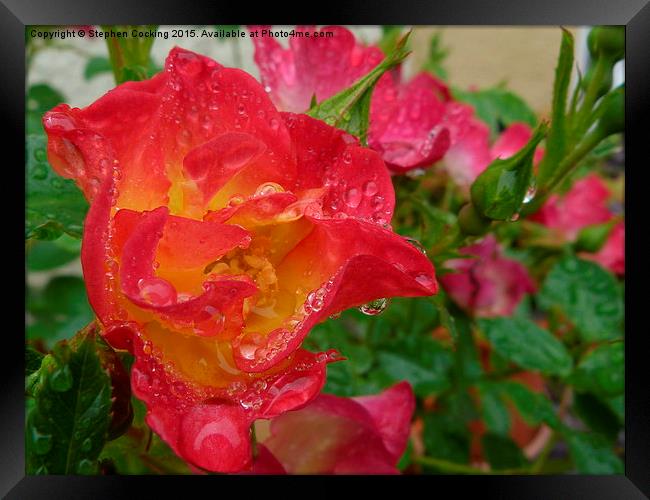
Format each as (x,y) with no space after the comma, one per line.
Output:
(157,291)
(236,200)
(353,197)
(424,280)
(61,379)
(274,123)
(86,467)
(347,158)
(39,173)
(370,188)
(251,403)
(374,307)
(57,183)
(259,385)
(515,217)
(42,442)
(40,154)
(416,244)
(250,344)
(377,202)
(268,188)
(530,193)
(86,445)
(236,387)
(315,301)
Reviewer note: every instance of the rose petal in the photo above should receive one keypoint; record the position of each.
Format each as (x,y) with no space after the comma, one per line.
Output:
(392,411)
(364,262)
(405,122)
(315,65)
(359,183)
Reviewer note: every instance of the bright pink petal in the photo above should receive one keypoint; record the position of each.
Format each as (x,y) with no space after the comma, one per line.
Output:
(345,436)
(489,284)
(512,139)
(405,122)
(469,152)
(585,204)
(317,65)
(392,411)
(612,254)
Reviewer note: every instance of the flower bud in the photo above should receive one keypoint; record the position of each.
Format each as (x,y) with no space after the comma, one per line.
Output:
(611,112)
(471,222)
(499,192)
(607,42)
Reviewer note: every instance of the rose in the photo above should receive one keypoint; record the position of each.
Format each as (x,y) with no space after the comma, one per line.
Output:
(362,435)
(219,232)
(585,204)
(470,152)
(405,118)
(488,284)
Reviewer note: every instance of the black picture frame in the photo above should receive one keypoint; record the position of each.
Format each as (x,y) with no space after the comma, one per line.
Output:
(634,14)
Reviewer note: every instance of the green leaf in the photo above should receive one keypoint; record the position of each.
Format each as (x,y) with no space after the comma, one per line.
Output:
(534,408)
(33,359)
(436,57)
(446,437)
(527,345)
(588,295)
(498,192)
(45,255)
(494,411)
(60,308)
(602,371)
(556,143)
(54,205)
(502,452)
(348,110)
(66,428)
(96,66)
(389,37)
(497,107)
(40,98)
(598,416)
(425,364)
(592,454)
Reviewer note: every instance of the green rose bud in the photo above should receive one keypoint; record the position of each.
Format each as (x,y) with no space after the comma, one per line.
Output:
(611,112)
(607,42)
(499,192)
(471,222)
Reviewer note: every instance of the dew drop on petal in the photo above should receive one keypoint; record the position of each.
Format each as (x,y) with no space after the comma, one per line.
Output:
(374,307)
(353,197)
(370,188)
(157,291)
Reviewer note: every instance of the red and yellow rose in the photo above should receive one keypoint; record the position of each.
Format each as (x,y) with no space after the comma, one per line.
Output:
(220,232)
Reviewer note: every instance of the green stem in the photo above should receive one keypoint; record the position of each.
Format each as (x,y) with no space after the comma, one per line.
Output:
(591,95)
(538,464)
(566,166)
(453,467)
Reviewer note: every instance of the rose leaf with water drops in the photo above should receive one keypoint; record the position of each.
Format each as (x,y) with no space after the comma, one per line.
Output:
(588,295)
(54,205)
(67,426)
